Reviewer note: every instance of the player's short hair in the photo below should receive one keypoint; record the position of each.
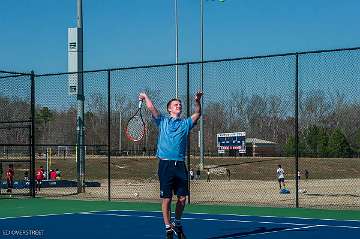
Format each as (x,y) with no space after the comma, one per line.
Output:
(170,101)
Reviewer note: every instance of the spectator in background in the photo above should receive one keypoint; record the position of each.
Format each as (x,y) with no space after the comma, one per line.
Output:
(58,174)
(191,172)
(53,175)
(197,174)
(299,175)
(26,176)
(208,175)
(228,173)
(39,177)
(280,175)
(306,174)
(10,178)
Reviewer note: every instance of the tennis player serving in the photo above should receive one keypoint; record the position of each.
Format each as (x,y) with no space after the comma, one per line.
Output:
(171,150)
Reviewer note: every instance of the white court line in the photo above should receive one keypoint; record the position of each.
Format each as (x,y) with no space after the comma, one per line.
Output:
(300,218)
(51,214)
(241,215)
(195,213)
(205,219)
(234,220)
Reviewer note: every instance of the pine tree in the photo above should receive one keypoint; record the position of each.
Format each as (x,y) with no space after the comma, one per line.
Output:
(338,145)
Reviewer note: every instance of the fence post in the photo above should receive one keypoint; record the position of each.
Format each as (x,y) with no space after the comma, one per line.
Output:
(297,129)
(32,135)
(188,115)
(109,138)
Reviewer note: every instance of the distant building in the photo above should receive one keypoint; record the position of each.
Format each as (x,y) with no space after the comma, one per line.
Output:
(261,148)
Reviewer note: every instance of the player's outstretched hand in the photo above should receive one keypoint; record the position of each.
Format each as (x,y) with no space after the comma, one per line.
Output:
(142,96)
(198,95)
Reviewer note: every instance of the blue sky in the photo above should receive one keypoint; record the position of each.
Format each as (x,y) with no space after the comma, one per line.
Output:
(121,33)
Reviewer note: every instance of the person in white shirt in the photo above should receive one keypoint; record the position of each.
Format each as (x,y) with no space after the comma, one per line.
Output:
(191,172)
(280,175)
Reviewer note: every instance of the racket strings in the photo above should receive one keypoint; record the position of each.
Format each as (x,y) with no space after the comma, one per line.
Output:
(135,128)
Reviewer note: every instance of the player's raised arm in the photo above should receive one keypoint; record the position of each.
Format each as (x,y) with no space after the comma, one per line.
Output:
(196,115)
(149,104)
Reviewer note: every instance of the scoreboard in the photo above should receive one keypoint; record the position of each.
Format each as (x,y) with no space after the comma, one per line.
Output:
(231,141)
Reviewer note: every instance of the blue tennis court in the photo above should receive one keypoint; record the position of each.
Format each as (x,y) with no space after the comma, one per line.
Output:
(138,224)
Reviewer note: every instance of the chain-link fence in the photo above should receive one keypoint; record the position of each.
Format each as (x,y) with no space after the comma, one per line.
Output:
(16,134)
(297,110)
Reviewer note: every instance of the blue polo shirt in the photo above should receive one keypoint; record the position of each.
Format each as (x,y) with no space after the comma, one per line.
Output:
(173,137)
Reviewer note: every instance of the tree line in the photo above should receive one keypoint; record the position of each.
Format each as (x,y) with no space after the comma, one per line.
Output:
(328,124)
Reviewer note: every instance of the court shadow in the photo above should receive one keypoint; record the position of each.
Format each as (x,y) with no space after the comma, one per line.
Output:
(253,232)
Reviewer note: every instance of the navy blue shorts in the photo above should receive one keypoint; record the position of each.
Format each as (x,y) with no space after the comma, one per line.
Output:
(173,177)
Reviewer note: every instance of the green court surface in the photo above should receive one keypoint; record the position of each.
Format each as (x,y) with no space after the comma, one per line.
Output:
(38,206)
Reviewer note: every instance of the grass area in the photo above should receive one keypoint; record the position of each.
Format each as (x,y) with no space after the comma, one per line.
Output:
(244,168)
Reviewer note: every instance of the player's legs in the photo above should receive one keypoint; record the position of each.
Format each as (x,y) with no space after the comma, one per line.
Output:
(166,178)
(180,205)
(181,190)
(166,210)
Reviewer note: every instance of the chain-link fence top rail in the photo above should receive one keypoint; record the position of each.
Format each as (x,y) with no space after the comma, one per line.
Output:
(6,74)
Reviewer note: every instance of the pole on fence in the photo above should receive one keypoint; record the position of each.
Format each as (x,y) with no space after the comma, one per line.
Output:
(109,138)
(32,136)
(201,132)
(47,163)
(120,130)
(188,115)
(297,129)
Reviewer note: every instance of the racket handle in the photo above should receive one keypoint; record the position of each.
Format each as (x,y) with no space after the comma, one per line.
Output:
(140,103)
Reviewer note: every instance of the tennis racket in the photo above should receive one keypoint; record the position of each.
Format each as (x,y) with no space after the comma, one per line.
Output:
(135,128)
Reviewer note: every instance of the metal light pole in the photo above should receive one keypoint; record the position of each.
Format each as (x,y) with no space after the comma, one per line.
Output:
(176,50)
(80,105)
(201,133)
